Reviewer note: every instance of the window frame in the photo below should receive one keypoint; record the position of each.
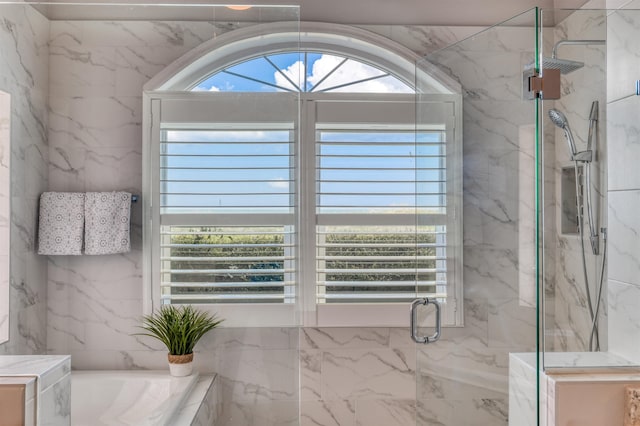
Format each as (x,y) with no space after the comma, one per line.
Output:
(197,107)
(171,83)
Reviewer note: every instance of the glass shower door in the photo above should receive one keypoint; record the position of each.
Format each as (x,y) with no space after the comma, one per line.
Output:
(476,175)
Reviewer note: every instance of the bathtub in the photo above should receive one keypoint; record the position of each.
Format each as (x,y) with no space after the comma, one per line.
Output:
(137,398)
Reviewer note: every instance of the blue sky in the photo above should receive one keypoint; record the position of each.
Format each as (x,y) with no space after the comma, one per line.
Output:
(321,70)
(252,169)
(244,170)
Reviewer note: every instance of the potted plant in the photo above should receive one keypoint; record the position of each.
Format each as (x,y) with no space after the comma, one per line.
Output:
(179,328)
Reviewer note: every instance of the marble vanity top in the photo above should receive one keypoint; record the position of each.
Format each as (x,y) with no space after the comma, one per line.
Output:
(48,368)
(576,362)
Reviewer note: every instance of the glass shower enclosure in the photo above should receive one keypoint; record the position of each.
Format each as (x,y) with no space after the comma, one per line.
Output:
(463,378)
(550,229)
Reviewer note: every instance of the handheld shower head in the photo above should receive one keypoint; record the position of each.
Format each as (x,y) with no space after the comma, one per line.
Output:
(559,119)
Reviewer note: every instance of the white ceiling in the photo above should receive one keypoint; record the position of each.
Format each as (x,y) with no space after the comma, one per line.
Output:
(365,12)
(425,12)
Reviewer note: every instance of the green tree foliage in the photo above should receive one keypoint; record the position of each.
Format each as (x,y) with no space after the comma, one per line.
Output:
(246,258)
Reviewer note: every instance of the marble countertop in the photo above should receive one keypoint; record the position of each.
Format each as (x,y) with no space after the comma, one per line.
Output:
(48,368)
(596,363)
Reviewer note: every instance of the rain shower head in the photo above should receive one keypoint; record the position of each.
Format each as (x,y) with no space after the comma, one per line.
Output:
(564,65)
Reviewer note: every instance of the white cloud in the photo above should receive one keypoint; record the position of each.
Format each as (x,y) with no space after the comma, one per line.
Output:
(295,72)
(204,89)
(279,183)
(216,136)
(348,72)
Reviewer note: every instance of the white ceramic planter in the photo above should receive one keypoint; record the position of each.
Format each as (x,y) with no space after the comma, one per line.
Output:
(180,365)
(181,370)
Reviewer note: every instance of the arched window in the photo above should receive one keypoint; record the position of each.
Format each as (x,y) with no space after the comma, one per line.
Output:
(289,173)
(311,72)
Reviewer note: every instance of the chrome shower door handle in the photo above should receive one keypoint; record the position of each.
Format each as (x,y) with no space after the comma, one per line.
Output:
(414,321)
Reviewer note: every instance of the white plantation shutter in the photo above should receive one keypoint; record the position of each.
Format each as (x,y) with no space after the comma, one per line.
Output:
(360,213)
(383,205)
(227,201)
(373,176)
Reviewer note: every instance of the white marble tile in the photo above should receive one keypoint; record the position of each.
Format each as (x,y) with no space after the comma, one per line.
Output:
(492,159)
(400,337)
(572,317)
(310,375)
(78,71)
(368,374)
(115,359)
(37,365)
(328,413)
(136,65)
(93,122)
(23,41)
(492,412)
(4,298)
(256,375)
(423,39)
(338,337)
(594,4)
(623,137)
(95,277)
(624,236)
(434,412)
(113,324)
(624,320)
(250,338)
(583,24)
(200,407)
(450,372)
(511,324)
(54,403)
(267,413)
(134,33)
(485,75)
(523,394)
(623,57)
(616,4)
(118,168)
(393,412)
(490,273)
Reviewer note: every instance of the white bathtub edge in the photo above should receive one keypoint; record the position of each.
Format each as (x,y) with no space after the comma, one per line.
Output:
(194,406)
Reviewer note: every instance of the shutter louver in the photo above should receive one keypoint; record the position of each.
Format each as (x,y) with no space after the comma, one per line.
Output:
(226,210)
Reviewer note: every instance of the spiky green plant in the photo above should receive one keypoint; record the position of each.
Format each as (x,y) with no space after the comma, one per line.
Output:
(179,328)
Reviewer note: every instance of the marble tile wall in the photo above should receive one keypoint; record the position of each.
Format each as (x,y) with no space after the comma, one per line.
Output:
(5,211)
(624,181)
(24,36)
(364,376)
(568,323)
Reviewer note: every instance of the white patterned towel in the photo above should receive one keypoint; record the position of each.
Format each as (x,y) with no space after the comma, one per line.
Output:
(61,223)
(107,217)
